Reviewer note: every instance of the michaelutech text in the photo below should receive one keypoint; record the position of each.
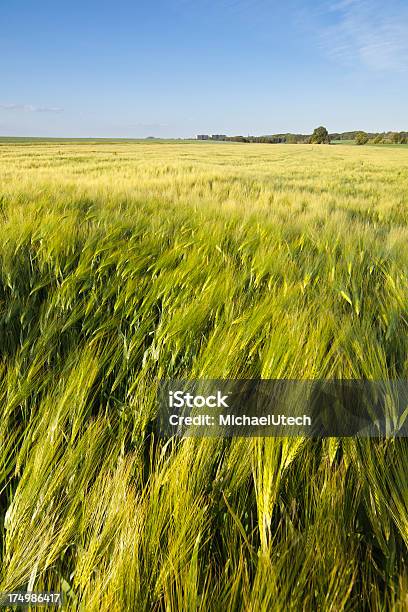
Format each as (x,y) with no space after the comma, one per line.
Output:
(228,420)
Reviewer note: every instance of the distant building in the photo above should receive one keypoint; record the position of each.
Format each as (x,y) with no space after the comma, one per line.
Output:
(218,137)
(203,137)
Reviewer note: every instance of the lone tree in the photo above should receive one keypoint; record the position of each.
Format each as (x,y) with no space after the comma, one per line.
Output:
(361,138)
(320,136)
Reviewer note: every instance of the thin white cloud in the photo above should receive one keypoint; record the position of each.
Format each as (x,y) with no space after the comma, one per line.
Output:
(371,32)
(29,108)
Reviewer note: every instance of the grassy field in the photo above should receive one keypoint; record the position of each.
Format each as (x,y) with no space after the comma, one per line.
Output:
(121,264)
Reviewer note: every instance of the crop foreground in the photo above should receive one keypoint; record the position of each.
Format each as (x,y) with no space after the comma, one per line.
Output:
(121,264)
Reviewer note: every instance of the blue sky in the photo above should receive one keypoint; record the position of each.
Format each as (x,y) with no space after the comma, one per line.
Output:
(180,67)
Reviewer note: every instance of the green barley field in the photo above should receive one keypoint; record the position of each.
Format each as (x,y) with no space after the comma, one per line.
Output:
(125,263)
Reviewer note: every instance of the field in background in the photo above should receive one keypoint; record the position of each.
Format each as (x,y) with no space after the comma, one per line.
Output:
(124,263)
(342,142)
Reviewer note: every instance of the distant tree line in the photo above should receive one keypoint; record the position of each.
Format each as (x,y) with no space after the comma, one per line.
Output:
(272,139)
(362,138)
(390,138)
(321,136)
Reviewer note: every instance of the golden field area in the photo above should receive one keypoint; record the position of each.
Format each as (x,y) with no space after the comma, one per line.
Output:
(123,263)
